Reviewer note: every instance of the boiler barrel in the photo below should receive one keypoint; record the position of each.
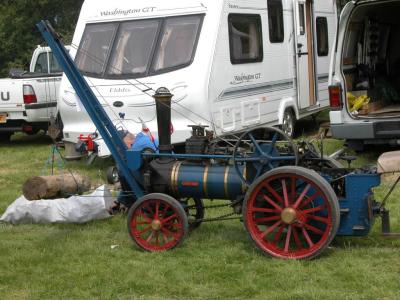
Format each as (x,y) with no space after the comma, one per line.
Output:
(208,182)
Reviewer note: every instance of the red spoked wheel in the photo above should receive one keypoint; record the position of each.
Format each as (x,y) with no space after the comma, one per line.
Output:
(157,222)
(291,213)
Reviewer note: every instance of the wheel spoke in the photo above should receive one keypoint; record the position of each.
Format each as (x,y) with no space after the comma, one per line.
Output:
(175,236)
(144,230)
(313,229)
(164,237)
(314,209)
(311,199)
(273,142)
(308,239)
(150,237)
(267,219)
(321,219)
(255,143)
(143,223)
(272,203)
(266,210)
(157,209)
(293,189)
(274,193)
(166,220)
(278,234)
(296,238)
(302,195)
(146,218)
(270,229)
(285,193)
(288,236)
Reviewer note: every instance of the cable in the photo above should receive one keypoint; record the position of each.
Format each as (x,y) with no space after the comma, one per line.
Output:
(149,88)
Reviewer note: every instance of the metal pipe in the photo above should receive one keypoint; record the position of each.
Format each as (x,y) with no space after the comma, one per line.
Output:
(163,107)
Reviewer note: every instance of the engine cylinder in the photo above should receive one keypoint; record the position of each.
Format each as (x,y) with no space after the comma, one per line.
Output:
(206,181)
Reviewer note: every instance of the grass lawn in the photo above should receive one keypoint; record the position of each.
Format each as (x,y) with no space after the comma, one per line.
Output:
(217,261)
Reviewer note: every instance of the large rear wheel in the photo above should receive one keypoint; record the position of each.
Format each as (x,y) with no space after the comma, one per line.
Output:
(291,213)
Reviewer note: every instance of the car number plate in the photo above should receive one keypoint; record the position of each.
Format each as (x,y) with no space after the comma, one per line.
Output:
(3,118)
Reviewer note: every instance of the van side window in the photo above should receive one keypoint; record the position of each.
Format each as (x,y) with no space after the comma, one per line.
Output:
(275,21)
(41,65)
(322,36)
(54,66)
(245,38)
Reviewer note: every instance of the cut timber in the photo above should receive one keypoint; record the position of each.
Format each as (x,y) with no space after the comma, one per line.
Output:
(50,187)
(371,107)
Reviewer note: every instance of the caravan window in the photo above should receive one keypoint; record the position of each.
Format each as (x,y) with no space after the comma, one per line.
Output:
(322,36)
(95,47)
(177,43)
(275,21)
(133,47)
(245,38)
(138,48)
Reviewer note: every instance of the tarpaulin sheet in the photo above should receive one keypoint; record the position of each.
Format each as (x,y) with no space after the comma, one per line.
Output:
(75,209)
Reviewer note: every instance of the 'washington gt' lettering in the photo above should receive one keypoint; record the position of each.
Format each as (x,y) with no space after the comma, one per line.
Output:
(125,12)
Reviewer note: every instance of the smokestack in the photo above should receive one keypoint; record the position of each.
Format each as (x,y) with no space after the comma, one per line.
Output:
(163,107)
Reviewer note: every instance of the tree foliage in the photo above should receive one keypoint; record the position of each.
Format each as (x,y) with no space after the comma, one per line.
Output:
(18,33)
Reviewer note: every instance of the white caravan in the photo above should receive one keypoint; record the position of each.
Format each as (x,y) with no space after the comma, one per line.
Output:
(230,64)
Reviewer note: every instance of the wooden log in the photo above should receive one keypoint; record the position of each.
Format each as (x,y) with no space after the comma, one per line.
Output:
(55,186)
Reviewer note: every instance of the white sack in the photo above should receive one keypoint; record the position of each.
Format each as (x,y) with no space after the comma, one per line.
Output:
(75,209)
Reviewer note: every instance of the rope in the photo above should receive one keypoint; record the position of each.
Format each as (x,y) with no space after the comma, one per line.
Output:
(146,92)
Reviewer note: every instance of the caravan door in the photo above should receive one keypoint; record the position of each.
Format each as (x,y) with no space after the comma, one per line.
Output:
(303,31)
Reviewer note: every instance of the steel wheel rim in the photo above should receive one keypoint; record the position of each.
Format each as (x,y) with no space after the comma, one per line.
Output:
(288,125)
(287,226)
(156,225)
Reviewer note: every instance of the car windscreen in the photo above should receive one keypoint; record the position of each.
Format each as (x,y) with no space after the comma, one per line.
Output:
(138,48)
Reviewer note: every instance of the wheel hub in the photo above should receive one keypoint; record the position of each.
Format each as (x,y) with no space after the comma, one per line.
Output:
(156,225)
(289,215)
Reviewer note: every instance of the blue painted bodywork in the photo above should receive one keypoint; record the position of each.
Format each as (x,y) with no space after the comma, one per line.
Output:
(209,182)
(356,207)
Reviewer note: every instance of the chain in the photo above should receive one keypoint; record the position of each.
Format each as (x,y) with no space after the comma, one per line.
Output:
(224,217)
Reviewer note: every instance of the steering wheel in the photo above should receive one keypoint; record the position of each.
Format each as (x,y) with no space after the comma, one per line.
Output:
(261,155)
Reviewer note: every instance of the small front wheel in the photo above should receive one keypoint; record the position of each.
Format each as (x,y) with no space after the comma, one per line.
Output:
(157,222)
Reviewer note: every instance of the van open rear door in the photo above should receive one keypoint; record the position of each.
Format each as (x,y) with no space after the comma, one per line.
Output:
(303,32)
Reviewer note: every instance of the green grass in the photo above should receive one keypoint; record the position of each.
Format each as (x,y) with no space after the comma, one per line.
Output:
(217,261)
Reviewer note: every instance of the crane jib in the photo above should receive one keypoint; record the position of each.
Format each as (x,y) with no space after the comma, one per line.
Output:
(92,105)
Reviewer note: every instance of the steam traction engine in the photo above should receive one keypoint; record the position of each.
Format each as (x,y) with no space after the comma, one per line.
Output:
(292,200)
